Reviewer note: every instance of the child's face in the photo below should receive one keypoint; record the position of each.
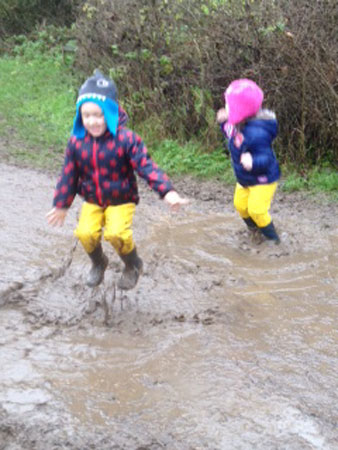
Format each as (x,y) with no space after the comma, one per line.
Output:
(93,119)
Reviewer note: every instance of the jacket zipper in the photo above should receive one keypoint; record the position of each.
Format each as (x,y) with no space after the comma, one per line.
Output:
(96,173)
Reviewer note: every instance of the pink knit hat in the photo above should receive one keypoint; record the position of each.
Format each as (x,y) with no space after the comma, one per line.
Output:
(244,99)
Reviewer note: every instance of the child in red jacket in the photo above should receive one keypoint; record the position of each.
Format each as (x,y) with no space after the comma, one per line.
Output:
(101,158)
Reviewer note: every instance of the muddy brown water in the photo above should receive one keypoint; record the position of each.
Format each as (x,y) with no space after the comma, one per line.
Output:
(224,344)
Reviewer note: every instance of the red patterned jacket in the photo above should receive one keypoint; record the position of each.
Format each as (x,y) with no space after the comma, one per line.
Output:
(102,170)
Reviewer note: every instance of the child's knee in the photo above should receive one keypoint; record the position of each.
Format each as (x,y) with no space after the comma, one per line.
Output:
(261,219)
(85,233)
(88,238)
(121,241)
(114,239)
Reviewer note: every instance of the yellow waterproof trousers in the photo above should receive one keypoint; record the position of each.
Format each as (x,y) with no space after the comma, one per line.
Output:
(116,221)
(255,202)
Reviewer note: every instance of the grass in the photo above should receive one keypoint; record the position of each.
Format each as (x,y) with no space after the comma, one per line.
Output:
(318,179)
(37,107)
(37,100)
(189,159)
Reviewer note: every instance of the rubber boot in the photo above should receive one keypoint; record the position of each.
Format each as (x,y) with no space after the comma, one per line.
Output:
(270,233)
(131,272)
(255,234)
(99,265)
(250,224)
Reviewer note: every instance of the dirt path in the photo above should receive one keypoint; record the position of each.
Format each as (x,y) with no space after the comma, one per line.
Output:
(225,344)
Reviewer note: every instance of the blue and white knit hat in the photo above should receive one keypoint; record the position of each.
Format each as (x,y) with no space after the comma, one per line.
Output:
(102,91)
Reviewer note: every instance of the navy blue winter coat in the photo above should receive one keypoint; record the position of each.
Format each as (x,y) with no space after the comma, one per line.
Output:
(102,170)
(255,137)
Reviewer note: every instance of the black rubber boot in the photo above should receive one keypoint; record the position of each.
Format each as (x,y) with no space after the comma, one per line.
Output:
(132,271)
(270,233)
(255,234)
(100,263)
(250,224)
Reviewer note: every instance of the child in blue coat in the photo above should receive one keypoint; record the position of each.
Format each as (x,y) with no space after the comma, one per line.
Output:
(100,162)
(250,132)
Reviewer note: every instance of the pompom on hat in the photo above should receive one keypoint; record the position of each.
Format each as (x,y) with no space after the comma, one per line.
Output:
(102,91)
(244,99)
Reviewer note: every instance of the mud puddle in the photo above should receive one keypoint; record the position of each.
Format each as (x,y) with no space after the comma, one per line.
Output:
(225,344)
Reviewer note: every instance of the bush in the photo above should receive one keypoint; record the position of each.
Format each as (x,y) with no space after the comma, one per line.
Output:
(23,16)
(173,59)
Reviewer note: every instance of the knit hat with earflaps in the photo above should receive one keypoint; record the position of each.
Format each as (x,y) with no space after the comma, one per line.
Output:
(244,99)
(102,91)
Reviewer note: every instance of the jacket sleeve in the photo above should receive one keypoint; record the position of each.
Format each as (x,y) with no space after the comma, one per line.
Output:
(145,167)
(66,186)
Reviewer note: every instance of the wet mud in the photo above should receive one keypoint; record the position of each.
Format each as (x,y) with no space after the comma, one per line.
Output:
(225,343)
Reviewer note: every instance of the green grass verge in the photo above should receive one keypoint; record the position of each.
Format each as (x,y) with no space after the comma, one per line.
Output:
(37,107)
(318,179)
(189,159)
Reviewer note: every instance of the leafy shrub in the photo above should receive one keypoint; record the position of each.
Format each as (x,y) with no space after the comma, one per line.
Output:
(23,16)
(173,59)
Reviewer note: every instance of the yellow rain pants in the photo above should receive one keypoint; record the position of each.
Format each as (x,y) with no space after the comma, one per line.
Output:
(255,202)
(116,222)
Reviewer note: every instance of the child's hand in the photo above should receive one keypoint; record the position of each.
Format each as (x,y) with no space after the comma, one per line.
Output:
(222,115)
(246,161)
(174,200)
(56,216)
